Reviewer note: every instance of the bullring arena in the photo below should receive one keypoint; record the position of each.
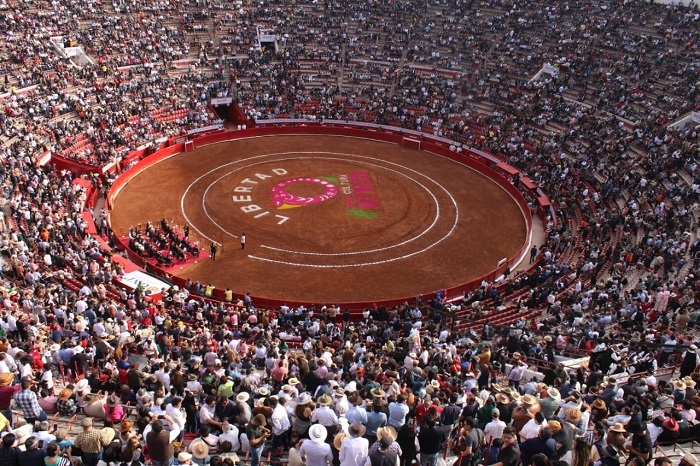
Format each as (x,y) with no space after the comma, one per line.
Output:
(329,217)
(530,168)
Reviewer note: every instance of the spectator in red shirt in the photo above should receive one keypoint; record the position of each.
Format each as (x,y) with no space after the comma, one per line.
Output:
(7,391)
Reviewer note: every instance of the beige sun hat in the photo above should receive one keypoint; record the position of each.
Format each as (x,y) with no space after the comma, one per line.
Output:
(386,431)
(338,440)
(679,384)
(200,450)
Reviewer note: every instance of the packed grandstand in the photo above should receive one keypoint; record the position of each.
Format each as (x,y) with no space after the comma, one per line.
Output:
(586,356)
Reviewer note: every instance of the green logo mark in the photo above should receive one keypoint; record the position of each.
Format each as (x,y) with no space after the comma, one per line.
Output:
(360,213)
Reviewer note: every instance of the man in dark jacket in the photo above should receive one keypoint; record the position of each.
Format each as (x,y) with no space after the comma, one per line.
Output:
(430,439)
(543,444)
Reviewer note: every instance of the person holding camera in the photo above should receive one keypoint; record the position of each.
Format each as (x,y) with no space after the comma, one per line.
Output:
(56,457)
(257,435)
(160,440)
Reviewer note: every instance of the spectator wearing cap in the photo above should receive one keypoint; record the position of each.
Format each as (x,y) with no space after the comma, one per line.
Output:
(384,456)
(355,448)
(257,434)
(494,429)
(314,450)
(689,460)
(90,442)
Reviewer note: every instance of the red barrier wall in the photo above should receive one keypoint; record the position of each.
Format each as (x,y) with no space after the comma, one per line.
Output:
(393,135)
(138,168)
(70,165)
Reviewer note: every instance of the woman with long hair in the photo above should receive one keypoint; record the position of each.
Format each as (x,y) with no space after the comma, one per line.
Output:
(581,454)
(541,460)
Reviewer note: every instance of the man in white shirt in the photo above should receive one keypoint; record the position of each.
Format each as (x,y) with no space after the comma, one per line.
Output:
(163,377)
(517,372)
(174,411)
(207,415)
(494,429)
(230,433)
(357,412)
(323,414)
(397,412)
(99,328)
(355,448)
(574,401)
(340,402)
(280,425)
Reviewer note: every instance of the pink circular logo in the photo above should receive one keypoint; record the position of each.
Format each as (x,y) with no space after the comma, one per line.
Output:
(283,199)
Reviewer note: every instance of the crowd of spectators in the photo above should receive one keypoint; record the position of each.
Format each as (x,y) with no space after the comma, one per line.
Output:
(188,380)
(164,243)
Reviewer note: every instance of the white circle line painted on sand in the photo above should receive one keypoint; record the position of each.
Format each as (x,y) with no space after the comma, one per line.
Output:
(430,227)
(385,261)
(454,203)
